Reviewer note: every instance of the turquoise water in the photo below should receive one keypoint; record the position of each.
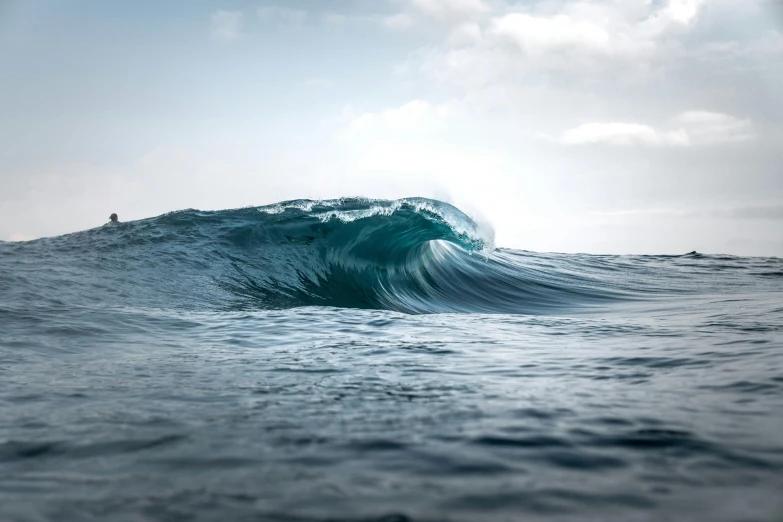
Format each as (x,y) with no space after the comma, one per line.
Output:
(375,360)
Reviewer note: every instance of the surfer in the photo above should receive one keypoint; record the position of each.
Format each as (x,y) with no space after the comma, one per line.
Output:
(113,218)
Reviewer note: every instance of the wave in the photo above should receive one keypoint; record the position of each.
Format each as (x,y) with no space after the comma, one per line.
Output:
(411,255)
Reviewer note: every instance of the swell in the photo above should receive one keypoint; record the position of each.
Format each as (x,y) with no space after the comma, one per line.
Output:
(412,255)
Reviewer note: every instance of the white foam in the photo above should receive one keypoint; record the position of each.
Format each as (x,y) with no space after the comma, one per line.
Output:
(462,225)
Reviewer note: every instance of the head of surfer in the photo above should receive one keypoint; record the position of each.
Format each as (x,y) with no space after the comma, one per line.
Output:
(113,218)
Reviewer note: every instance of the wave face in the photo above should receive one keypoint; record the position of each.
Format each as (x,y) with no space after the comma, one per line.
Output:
(411,255)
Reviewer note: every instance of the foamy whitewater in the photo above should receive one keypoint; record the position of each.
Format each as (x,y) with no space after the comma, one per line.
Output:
(367,360)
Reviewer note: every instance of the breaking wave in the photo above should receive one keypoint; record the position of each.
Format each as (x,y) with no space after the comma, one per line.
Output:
(411,255)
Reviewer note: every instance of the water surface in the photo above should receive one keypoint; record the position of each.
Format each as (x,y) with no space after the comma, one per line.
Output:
(371,360)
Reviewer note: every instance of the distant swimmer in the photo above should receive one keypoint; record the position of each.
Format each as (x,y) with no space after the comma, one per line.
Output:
(113,218)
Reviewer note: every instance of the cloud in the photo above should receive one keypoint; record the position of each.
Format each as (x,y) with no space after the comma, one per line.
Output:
(226,25)
(398,21)
(684,11)
(286,15)
(699,128)
(507,44)
(537,35)
(713,127)
(436,13)
(465,35)
(622,134)
(450,10)
(765,212)
(416,114)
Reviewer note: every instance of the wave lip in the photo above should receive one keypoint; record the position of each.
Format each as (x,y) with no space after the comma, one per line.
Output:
(430,218)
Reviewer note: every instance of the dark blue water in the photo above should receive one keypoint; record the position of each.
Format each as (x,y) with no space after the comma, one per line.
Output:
(367,360)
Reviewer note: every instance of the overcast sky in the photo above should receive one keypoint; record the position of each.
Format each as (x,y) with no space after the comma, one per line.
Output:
(612,126)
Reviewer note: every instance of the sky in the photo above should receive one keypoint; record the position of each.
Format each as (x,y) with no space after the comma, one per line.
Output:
(598,126)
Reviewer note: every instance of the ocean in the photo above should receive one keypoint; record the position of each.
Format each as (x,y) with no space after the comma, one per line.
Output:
(369,360)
